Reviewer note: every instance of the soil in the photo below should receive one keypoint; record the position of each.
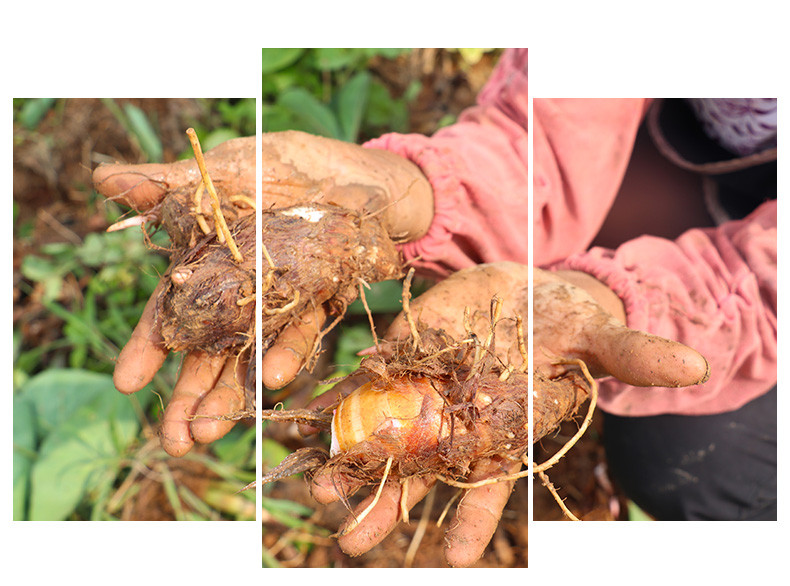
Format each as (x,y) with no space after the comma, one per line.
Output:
(53,192)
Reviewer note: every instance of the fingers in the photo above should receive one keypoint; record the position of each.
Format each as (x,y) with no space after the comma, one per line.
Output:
(478,514)
(329,487)
(283,361)
(199,374)
(641,359)
(225,398)
(142,186)
(144,353)
(383,517)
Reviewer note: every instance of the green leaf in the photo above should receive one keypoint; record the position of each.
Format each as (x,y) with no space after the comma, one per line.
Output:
(275,59)
(637,514)
(217,137)
(388,53)
(352,339)
(383,297)
(272,453)
(352,101)
(314,116)
(37,268)
(331,59)
(144,132)
(58,392)
(34,110)
(237,446)
(24,453)
(82,454)
(387,113)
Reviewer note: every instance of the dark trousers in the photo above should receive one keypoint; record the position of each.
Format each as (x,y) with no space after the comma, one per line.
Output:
(712,467)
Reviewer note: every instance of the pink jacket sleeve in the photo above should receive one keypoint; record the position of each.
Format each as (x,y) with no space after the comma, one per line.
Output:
(713,289)
(478,170)
(581,150)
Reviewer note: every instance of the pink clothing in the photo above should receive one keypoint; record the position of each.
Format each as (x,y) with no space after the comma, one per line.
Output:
(712,289)
(478,170)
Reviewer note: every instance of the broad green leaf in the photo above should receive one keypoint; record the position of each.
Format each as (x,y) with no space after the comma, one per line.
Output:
(330,59)
(352,101)
(637,514)
(275,59)
(24,453)
(387,113)
(237,446)
(272,453)
(82,454)
(315,116)
(70,458)
(144,132)
(389,53)
(37,268)
(34,110)
(352,339)
(58,392)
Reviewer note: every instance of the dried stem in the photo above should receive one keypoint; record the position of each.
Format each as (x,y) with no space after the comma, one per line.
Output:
(415,334)
(547,483)
(362,283)
(422,526)
(219,219)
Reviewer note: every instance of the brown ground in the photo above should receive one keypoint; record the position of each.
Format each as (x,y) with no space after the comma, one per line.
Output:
(53,189)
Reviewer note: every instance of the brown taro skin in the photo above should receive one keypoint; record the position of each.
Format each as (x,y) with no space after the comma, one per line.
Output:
(198,308)
(555,400)
(319,253)
(323,252)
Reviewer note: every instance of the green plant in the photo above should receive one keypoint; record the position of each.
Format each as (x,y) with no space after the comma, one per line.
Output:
(80,447)
(330,92)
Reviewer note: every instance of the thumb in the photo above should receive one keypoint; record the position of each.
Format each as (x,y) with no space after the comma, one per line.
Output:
(142,186)
(645,360)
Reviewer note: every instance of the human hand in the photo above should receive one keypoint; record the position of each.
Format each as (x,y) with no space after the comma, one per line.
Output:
(578,317)
(208,386)
(569,323)
(478,512)
(298,168)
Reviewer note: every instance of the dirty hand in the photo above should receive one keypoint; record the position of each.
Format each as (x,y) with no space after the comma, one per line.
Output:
(570,322)
(208,386)
(480,509)
(577,316)
(299,167)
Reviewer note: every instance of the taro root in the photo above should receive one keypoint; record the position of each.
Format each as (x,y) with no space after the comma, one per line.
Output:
(313,253)
(207,302)
(431,406)
(318,253)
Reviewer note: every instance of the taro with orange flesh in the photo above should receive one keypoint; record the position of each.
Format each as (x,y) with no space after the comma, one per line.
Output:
(440,425)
